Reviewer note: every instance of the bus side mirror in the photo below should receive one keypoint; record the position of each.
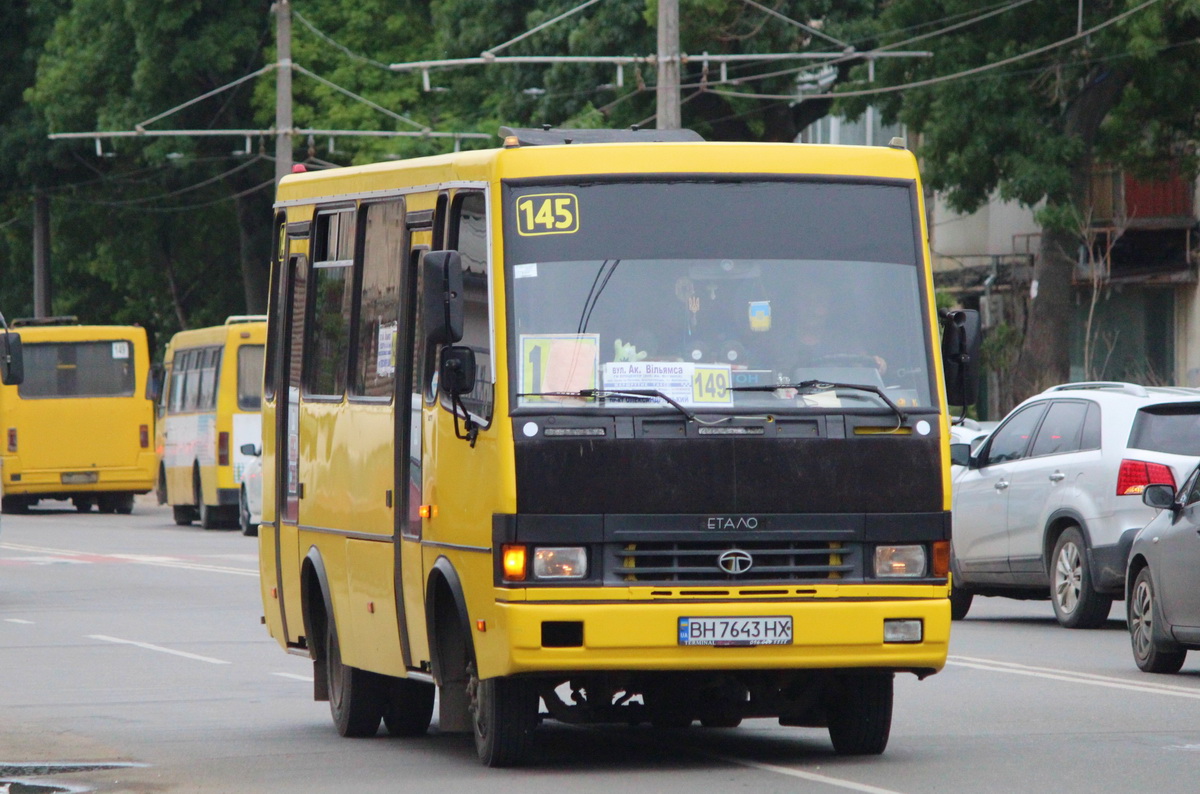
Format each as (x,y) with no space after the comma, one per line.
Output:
(442,302)
(154,383)
(961,338)
(12,360)
(457,375)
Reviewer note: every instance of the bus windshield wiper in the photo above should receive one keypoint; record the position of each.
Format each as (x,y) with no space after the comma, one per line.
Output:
(599,394)
(813,386)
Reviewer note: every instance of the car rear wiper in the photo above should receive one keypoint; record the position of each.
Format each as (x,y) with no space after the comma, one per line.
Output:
(599,394)
(813,386)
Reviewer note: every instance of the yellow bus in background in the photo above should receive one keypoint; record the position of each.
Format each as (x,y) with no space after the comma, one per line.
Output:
(208,410)
(550,424)
(80,426)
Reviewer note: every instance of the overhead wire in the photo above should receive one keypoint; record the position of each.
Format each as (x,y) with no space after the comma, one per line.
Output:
(948,77)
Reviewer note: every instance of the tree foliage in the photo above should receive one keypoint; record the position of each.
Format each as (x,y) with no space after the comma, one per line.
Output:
(1030,131)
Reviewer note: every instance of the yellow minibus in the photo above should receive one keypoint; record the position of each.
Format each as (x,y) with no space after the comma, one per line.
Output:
(80,426)
(209,409)
(554,429)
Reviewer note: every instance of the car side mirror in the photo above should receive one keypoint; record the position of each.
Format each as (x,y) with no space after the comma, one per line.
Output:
(12,360)
(960,454)
(962,336)
(250,450)
(1159,496)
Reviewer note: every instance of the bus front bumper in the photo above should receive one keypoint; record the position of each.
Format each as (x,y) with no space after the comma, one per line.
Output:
(826,634)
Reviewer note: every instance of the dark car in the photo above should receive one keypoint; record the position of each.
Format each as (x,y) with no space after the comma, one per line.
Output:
(1163,579)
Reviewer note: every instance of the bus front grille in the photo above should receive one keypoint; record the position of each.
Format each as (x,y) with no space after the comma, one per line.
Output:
(726,562)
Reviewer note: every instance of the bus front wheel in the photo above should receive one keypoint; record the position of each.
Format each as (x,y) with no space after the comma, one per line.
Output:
(504,714)
(860,718)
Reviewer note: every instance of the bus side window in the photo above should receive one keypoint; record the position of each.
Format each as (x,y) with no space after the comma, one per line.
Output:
(469,236)
(330,305)
(385,246)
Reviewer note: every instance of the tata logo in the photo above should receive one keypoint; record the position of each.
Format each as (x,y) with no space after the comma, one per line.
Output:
(735,561)
(728,522)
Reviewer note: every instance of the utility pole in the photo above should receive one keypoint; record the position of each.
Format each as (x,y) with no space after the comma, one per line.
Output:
(668,65)
(41,255)
(283,89)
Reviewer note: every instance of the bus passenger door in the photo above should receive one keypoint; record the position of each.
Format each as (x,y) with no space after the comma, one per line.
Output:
(287,445)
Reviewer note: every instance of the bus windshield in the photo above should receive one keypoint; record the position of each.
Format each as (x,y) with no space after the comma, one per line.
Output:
(78,369)
(717,296)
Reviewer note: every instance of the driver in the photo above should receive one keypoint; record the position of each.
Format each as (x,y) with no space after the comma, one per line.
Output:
(821,340)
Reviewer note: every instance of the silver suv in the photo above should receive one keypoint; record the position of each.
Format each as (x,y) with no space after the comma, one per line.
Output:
(1049,505)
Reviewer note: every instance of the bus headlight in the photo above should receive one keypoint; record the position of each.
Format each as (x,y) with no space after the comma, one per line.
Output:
(560,562)
(899,561)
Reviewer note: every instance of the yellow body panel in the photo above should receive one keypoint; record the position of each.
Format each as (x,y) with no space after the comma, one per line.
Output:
(68,436)
(346,462)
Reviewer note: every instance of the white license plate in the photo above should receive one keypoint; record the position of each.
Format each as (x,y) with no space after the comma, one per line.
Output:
(772,630)
(80,477)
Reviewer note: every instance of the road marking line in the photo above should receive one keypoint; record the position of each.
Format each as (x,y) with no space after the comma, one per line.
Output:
(306,678)
(139,559)
(1053,674)
(158,648)
(812,776)
(18,620)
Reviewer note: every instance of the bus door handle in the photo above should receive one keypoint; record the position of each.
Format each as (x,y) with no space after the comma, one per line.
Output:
(1057,476)
(1001,485)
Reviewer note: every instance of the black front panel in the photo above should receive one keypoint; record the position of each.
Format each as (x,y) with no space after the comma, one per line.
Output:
(863,474)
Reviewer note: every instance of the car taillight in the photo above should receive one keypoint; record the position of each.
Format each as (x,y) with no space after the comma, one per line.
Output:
(144,436)
(1135,475)
(12,439)
(222,449)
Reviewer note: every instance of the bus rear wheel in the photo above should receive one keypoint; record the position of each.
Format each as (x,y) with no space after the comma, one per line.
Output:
(15,504)
(356,699)
(184,514)
(409,707)
(860,718)
(83,504)
(504,714)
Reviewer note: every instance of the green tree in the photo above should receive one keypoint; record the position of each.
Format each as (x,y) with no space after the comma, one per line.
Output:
(1030,131)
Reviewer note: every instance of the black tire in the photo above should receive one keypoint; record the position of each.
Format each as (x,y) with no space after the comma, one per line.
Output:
(208,515)
(960,602)
(83,504)
(356,697)
(244,514)
(104,504)
(860,719)
(1142,614)
(1076,603)
(504,714)
(124,504)
(409,708)
(160,487)
(14,505)
(184,514)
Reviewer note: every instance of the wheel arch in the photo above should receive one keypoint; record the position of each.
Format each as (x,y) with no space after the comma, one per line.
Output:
(1137,562)
(1059,522)
(316,605)
(444,598)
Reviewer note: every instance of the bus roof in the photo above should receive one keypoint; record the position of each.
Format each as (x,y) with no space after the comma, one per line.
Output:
(601,158)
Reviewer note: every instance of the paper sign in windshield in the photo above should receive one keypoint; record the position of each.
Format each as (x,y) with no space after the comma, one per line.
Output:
(683,382)
(558,363)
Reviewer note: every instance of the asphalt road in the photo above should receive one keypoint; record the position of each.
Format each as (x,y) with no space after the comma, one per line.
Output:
(133,648)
